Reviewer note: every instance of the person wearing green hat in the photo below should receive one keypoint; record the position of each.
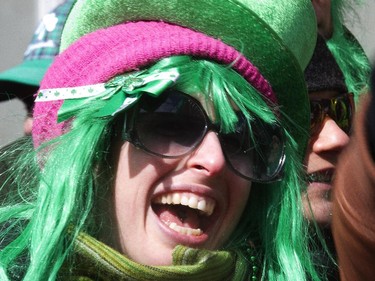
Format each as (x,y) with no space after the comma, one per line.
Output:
(22,81)
(165,146)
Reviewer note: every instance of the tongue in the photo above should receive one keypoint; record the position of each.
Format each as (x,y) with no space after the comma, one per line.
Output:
(181,215)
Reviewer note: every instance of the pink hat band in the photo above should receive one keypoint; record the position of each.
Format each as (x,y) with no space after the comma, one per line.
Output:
(103,54)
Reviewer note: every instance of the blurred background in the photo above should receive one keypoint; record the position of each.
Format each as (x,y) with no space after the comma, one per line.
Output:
(19,19)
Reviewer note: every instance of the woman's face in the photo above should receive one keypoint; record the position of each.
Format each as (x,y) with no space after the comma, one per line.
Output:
(194,200)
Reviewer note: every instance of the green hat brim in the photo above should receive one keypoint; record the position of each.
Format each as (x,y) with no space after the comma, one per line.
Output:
(229,21)
(29,72)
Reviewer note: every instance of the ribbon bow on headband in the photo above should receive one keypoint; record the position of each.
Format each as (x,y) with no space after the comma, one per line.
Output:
(120,92)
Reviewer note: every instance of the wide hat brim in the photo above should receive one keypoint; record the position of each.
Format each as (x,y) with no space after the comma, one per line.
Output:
(229,21)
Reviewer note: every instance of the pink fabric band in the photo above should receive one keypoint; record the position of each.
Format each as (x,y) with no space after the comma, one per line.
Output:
(103,54)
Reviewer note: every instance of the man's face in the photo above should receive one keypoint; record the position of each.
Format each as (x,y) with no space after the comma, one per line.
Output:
(324,148)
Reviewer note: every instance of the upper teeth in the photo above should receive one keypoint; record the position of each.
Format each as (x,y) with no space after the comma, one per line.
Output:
(205,205)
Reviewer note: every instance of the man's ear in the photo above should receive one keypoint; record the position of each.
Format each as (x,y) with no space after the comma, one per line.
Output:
(324,17)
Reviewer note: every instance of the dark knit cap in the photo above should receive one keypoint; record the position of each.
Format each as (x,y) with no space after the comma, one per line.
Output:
(323,73)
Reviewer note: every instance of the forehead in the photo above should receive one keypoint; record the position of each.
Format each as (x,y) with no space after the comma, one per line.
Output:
(326,94)
(207,104)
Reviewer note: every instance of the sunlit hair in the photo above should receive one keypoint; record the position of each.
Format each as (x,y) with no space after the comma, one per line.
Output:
(46,208)
(347,51)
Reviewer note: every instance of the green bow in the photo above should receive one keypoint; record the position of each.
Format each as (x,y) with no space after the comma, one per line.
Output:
(120,93)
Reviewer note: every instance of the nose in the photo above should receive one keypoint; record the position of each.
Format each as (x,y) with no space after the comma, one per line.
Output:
(208,158)
(330,138)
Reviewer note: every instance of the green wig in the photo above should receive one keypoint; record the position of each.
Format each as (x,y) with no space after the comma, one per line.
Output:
(346,49)
(60,200)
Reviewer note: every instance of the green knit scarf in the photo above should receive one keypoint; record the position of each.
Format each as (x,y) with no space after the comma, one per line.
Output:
(96,261)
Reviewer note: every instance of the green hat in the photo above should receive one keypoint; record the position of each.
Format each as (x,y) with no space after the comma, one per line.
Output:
(277,36)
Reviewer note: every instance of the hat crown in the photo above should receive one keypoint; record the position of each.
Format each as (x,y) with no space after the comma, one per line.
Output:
(291,20)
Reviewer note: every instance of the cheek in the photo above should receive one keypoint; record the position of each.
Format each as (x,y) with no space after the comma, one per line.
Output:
(136,165)
(242,192)
(239,196)
(309,152)
(137,174)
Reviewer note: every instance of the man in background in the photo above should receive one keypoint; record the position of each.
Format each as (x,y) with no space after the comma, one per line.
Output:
(22,81)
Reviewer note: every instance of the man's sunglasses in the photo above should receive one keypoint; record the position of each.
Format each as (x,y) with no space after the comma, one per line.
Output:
(340,109)
(174,124)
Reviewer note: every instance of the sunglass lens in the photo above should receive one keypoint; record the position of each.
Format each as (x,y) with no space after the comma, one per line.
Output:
(259,160)
(342,112)
(171,126)
(316,116)
(340,109)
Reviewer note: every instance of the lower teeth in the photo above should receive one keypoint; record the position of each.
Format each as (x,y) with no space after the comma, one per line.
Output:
(185,230)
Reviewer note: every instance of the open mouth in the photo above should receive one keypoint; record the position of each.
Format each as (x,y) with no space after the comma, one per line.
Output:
(321,176)
(185,213)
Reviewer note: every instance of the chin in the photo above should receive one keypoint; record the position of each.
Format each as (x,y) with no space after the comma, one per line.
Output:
(318,208)
(324,220)
(320,212)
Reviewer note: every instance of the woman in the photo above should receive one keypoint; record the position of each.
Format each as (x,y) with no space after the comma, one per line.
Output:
(160,149)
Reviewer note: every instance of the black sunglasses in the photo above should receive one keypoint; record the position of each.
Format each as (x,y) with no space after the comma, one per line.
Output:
(174,124)
(340,109)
